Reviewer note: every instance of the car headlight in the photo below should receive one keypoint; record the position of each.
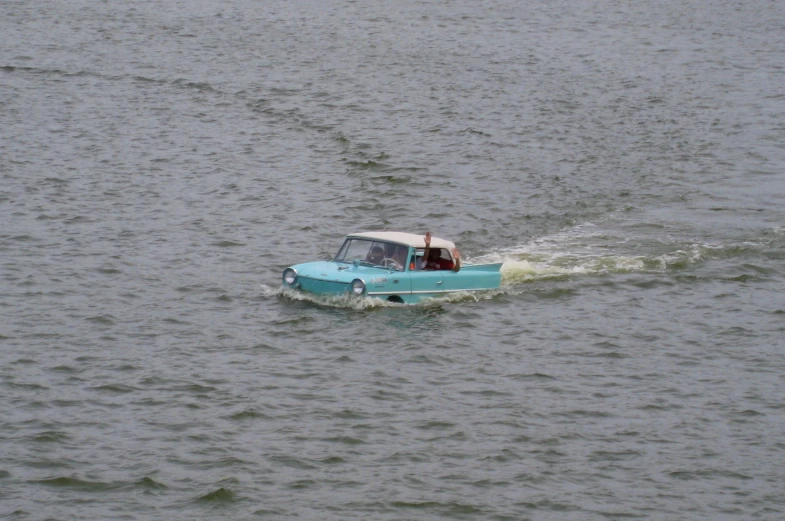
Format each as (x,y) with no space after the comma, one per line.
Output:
(289,276)
(358,287)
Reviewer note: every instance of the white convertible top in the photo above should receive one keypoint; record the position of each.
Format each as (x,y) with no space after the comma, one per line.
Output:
(409,239)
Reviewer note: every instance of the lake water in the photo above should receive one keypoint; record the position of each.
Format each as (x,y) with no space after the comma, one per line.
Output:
(162,162)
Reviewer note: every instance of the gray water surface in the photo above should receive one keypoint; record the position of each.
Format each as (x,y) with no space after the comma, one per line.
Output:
(162,162)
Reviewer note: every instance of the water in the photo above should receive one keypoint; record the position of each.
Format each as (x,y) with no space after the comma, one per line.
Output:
(161,163)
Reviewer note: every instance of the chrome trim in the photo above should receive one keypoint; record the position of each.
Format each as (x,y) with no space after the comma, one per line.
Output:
(373,293)
(365,287)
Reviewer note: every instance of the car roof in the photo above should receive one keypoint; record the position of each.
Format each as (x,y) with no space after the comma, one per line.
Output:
(409,239)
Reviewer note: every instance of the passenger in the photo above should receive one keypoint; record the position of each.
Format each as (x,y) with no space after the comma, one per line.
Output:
(432,258)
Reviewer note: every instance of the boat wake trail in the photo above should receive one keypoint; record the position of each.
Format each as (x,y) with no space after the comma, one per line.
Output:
(589,251)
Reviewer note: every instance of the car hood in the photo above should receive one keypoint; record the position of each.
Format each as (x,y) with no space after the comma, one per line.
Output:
(336,271)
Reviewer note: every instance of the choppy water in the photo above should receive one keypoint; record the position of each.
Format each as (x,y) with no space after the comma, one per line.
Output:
(162,162)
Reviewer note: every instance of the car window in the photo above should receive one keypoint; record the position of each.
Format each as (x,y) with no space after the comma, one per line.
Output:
(444,258)
(443,253)
(396,256)
(373,253)
(354,249)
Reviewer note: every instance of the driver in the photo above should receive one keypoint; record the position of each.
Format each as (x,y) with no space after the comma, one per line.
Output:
(398,256)
(375,255)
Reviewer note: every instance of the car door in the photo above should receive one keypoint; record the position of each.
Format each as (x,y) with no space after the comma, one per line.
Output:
(455,281)
(427,283)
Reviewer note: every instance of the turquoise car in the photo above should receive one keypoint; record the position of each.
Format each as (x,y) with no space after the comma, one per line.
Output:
(389,266)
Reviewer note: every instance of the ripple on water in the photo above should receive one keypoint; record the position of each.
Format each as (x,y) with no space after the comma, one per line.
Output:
(221,495)
(624,174)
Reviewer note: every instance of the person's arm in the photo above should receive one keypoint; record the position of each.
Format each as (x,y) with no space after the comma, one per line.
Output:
(427,250)
(456,255)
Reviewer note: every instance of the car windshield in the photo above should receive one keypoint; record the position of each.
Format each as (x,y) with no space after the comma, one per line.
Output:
(373,253)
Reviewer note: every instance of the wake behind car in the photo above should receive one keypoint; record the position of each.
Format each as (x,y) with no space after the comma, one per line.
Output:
(393,266)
